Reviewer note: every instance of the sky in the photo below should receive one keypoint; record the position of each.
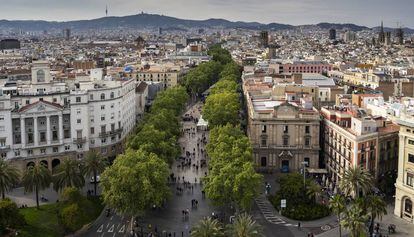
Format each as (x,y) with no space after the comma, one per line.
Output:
(295,12)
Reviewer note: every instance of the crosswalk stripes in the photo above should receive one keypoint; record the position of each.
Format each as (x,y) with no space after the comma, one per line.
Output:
(268,211)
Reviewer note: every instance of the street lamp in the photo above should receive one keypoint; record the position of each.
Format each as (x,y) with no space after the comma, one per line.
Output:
(304,163)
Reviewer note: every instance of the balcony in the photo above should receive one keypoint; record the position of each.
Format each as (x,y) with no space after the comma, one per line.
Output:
(104,134)
(79,140)
(4,147)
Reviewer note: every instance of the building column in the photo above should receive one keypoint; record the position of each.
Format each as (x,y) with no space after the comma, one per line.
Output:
(60,128)
(35,132)
(48,131)
(23,131)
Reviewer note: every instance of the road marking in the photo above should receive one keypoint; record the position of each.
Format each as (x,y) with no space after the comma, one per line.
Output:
(100,229)
(111,218)
(102,234)
(107,225)
(111,229)
(122,229)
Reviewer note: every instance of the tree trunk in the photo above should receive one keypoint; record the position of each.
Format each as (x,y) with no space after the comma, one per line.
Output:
(3,196)
(340,229)
(371,226)
(37,197)
(95,181)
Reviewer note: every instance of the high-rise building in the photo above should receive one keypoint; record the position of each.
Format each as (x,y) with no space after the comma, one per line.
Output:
(387,38)
(332,34)
(264,39)
(349,36)
(66,34)
(381,34)
(399,35)
(9,44)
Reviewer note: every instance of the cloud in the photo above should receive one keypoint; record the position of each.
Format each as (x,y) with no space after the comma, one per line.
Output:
(366,12)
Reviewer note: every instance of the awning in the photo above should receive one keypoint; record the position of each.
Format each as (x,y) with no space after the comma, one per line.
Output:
(316,171)
(202,122)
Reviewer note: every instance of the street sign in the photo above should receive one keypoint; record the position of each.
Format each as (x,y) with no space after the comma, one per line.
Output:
(283,203)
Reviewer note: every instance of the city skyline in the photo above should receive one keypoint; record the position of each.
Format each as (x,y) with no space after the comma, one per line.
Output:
(369,13)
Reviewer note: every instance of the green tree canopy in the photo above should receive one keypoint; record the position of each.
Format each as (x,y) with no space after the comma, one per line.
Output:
(136,181)
(355,180)
(219,54)
(9,176)
(231,70)
(221,109)
(244,226)
(9,215)
(171,99)
(224,86)
(36,178)
(207,227)
(68,174)
(94,164)
(156,141)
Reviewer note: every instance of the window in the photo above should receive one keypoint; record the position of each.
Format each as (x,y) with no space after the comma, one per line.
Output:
(78,99)
(307,141)
(285,141)
(1,118)
(78,121)
(103,140)
(67,148)
(43,151)
(30,152)
(102,117)
(307,161)
(102,107)
(78,111)
(410,179)
(264,141)
(307,129)
(55,149)
(92,118)
(112,106)
(112,95)
(92,141)
(91,96)
(411,142)
(263,128)
(92,130)
(286,129)
(40,75)
(102,96)
(27,102)
(411,158)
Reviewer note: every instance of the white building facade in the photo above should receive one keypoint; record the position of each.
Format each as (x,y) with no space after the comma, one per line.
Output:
(46,121)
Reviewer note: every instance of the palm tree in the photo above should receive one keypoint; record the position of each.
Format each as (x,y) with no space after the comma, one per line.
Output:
(36,177)
(354,219)
(94,164)
(207,228)
(68,174)
(313,190)
(9,176)
(337,205)
(377,207)
(245,226)
(354,180)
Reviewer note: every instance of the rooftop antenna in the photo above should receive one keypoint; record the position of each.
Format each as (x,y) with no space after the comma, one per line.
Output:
(106,10)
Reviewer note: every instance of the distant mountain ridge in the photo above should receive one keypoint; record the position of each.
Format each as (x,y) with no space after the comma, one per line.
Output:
(145,20)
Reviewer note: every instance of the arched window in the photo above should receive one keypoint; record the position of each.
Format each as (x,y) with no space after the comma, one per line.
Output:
(408,206)
(102,96)
(112,95)
(40,75)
